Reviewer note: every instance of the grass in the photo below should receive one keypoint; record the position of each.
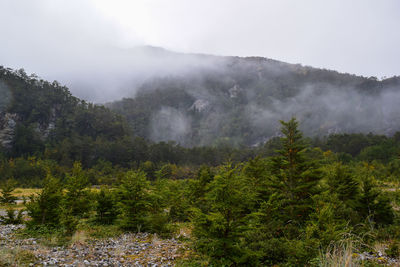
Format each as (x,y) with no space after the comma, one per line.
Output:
(79,237)
(101,231)
(339,255)
(25,192)
(16,257)
(50,237)
(18,206)
(20,193)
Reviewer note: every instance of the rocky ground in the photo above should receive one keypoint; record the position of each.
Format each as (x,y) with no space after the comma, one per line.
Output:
(140,249)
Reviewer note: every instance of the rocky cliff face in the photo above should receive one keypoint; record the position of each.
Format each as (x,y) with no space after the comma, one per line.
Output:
(8,123)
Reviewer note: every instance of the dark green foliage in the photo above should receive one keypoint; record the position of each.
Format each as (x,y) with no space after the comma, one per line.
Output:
(280,210)
(27,141)
(12,217)
(165,172)
(294,177)
(50,120)
(134,201)
(219,231)
(366,147)
(263,211)
(68,220)
(75,200)
(45,208)
(199,187)
(374,206)
(6,189)
(342,183)
(258,173)
(172,197)
(393,250)
(106,210)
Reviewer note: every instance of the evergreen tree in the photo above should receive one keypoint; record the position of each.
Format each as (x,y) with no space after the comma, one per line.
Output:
(6,190)
(105,207)
(134,201)
(45,207)
(76,196)
(374,206)
(294,177)
(199,187)
(342,183)
(220,230)
(257,172)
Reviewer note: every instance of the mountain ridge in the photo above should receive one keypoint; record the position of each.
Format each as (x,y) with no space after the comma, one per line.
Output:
(257,87)
(205,100)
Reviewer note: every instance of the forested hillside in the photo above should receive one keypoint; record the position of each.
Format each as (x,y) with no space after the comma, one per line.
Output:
(40,120)
(292,200)
(239,101)
(40,117)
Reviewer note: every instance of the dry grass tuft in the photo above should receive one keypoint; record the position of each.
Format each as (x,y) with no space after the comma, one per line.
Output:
(79,238)
(339,256)
(16,257)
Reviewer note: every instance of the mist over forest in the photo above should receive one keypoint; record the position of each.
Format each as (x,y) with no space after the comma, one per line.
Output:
(209,100)
(199,133)
(202,100)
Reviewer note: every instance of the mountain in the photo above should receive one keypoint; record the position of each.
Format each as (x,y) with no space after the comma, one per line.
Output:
(239,101)
(37,116)
(192,99)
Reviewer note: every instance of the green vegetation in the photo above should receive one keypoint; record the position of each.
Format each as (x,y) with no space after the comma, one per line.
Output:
(6,190)
(293,201)
(301,206)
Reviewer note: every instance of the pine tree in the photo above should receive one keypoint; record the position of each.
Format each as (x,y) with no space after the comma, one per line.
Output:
(199,187)
(294,176)
(105,207)
(45,208)
(6,190)
(342,183)
(134,201)
(219,231)
(76,196)
(374,206)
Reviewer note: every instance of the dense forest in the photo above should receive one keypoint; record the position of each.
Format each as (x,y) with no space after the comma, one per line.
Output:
(287,201)
(239,101)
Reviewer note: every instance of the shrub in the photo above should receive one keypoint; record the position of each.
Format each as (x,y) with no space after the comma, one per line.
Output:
(45,207)
(134,201)
(106,211)
(6,190)
(12,217)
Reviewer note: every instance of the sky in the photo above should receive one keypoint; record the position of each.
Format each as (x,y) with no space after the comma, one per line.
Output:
(58,39)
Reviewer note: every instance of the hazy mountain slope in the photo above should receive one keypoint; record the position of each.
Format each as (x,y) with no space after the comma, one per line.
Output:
(36,115)
(240,101)
(196,100)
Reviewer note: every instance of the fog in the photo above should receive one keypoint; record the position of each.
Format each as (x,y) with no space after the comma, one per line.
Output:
(319,114)
(242,101)
(96,47)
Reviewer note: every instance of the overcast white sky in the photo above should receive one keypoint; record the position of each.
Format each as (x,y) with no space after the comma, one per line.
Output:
(357,36)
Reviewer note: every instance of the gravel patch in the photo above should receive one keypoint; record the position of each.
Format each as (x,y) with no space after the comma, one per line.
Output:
(141,249)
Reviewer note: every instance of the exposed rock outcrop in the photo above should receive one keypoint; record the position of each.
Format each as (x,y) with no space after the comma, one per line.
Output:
(200,105)
(8,123)
(234,91)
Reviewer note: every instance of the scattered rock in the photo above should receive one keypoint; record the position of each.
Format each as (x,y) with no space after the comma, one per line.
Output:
(141,249)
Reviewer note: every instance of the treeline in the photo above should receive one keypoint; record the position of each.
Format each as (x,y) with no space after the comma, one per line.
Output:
(280,209)
(104,161)
(50,124)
